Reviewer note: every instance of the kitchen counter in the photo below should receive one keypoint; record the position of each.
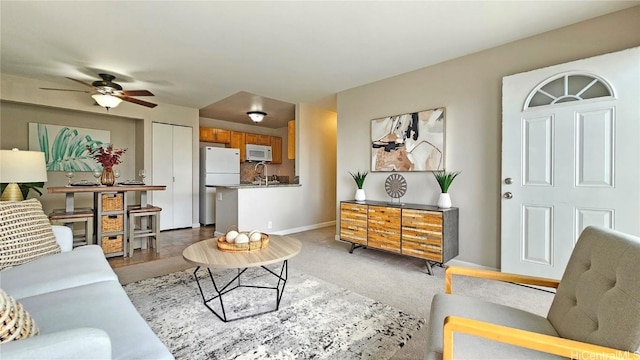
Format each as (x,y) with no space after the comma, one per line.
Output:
(248,186)
(253,207)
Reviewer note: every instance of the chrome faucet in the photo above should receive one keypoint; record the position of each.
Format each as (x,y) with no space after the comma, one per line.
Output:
(266,176)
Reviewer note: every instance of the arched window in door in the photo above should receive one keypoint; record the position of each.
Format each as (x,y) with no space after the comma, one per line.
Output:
(568,87)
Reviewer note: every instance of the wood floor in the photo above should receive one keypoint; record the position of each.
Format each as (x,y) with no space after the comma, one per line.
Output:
(170,243)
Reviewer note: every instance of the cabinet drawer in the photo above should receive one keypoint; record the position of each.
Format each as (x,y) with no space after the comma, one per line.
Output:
(353,223)
(111,223)
(112,244)
(384,228)
(422,234)
(112,202)
(424,250)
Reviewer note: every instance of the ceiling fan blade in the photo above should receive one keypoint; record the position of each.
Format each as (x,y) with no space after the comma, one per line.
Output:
(137,93)
(137,101)
(82,91)
(80,82)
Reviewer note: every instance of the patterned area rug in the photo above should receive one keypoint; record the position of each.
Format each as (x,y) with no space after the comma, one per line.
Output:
(315,320)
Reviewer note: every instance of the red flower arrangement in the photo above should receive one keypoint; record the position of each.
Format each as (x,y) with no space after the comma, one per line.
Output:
(106,157)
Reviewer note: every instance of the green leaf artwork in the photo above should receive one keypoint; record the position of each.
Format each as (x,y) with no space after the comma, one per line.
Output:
(68,149)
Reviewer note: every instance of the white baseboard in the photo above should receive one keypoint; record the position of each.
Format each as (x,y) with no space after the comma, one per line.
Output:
(195,226)
(304,228)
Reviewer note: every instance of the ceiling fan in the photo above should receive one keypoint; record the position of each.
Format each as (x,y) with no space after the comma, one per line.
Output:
(109,94)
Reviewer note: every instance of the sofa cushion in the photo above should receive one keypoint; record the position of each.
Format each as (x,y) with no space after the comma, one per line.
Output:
(104,306)
(25,233)
(472,347)
(84,265)
(15,321)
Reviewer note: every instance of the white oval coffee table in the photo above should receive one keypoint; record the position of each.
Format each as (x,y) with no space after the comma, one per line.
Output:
(206,254)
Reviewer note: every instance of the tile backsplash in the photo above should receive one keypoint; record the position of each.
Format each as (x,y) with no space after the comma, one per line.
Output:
(248,173)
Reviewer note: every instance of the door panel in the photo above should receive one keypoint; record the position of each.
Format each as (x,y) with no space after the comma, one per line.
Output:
(573,158)
(594,148)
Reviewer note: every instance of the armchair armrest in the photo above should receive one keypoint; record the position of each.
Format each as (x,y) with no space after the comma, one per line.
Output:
(495,275)
(549,344)
(64,237)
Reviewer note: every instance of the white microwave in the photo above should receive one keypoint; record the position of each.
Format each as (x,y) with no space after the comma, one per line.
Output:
(258,153)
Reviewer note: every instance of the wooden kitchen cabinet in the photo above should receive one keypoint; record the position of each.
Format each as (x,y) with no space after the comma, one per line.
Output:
(276,149)
(291,140)
(421,231)
(208,134)
(222,136)
(238,141)
(258,139)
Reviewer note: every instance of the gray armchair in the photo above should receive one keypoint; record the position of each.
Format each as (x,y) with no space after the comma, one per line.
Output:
(595,313)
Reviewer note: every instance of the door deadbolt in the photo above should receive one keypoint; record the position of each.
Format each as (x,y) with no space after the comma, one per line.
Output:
(508,181)
(508,195)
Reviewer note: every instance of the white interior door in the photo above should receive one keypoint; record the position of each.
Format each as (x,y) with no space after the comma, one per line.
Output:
(570,158)
(162,173)
(172,166)
(183,176)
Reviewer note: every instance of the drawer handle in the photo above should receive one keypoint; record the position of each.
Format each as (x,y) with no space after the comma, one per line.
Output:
(113,238)
(112,216)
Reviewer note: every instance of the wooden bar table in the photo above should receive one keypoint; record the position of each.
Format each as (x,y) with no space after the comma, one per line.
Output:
(110,206)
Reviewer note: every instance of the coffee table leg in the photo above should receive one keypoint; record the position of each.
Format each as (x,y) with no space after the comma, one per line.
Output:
(282,279)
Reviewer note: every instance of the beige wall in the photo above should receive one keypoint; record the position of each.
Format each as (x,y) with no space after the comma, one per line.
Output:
(470,89)
(316,161)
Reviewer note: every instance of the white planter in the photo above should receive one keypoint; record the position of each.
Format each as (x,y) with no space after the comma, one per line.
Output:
(360,195)
(444,201)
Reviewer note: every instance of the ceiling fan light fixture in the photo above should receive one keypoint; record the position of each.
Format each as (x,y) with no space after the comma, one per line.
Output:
(256,116)
(106,101)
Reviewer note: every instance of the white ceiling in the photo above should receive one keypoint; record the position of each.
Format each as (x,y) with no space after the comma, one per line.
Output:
(197,53)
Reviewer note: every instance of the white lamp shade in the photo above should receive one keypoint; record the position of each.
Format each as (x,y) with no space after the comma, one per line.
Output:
(22,166)
(106,101)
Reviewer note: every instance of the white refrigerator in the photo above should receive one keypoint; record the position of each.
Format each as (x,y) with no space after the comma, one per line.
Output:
(218,166)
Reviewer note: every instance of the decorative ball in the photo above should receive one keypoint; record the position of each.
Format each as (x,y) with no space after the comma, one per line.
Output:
(242,239)
(255,235)
(231,236)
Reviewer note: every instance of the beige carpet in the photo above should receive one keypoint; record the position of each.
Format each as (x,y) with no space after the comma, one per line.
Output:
(395,280)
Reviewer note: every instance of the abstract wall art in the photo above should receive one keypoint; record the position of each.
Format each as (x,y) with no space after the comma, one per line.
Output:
(409,142)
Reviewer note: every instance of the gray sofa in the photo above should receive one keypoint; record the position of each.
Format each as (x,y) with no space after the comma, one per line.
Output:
(79,306)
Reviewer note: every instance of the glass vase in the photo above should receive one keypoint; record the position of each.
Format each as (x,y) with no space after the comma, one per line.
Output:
(107,178)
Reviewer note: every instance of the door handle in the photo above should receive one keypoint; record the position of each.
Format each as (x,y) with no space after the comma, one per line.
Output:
(508,195)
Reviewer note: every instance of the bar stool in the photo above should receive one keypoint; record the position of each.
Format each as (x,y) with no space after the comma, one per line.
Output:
(149,226)
(68,218)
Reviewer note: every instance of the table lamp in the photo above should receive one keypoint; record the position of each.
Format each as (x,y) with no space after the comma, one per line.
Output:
(20,167)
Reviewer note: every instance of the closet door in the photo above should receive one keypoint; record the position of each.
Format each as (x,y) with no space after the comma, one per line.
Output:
(172,160)
(182,176)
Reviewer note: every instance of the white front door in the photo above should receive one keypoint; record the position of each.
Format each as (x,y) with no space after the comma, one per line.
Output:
(570,158)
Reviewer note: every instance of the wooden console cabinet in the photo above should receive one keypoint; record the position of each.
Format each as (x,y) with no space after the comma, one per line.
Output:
(420,231)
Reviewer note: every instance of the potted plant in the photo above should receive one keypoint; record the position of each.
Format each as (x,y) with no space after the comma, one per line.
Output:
(107,157)
(359,177)
(444,179)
